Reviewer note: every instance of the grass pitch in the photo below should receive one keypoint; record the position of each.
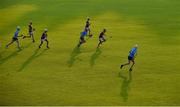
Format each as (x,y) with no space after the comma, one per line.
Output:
(65,75)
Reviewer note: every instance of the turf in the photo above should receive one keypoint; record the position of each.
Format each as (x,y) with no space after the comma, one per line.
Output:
(66,75)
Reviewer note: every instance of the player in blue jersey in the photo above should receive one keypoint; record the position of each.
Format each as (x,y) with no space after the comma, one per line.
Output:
(15,38)
(44,38)
(82,37)
(131,57)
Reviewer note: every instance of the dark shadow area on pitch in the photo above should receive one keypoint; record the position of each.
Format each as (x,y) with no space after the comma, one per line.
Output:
(73,56)
(14,54)
(95,56)
(35,55)
(1,53)
(125,87)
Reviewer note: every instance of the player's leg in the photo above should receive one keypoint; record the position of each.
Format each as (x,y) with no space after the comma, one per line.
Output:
(41,43)
(89,30)
(26,37)
(32,36)
(132,65)
(129,61)
(103,40)
(18,45)
(81,41)
(79,44)
(100,42)
(47,43)
(9,43)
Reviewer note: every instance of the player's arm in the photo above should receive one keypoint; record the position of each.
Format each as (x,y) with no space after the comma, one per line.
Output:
(34,29)
(104,37)
(135,55)
(20,35)
(46,36)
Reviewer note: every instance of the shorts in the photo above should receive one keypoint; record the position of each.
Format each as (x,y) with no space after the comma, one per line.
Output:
(42,40)
(130,58)
(102,40)
(82,39)
(14,39)
(87,28)
(31,33)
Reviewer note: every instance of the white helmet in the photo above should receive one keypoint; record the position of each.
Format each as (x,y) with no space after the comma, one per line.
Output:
(136,45)
(46,30)
(18,27)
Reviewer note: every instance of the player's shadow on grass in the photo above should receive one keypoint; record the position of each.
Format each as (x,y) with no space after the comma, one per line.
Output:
(35,55)
(95,56)
(73,56)
(125,87)
(14,54)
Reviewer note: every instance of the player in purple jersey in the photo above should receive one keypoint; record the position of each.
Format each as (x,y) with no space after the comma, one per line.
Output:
(102,38)
(87,26)
(44,38)
(31,32)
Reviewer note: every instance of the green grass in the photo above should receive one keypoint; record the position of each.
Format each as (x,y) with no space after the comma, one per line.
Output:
(65,75)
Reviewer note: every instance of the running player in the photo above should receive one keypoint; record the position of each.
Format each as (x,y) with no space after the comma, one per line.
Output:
(82,37)
(15,38)
(31,32)
(44,38)
(102,38)
(131,57)
(87,27)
